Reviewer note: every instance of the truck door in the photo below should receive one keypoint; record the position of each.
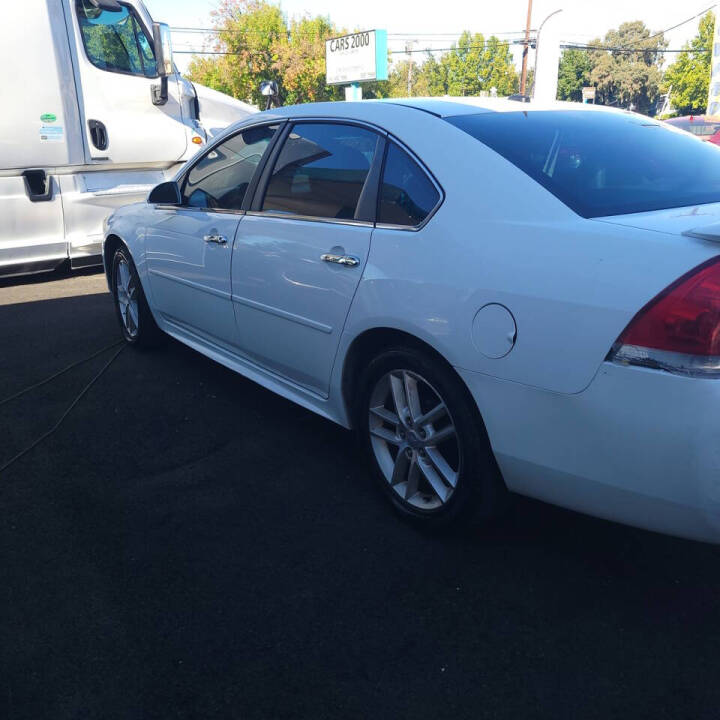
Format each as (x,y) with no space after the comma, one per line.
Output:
(116,65)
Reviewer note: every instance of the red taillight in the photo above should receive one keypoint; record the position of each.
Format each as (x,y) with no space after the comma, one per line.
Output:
(680,329)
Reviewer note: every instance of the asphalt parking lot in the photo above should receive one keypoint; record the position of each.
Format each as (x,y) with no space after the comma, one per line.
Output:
(188,545)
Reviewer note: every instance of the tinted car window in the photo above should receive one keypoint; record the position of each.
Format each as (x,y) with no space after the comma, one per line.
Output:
(706,129)
(407,195)
(321,170)
(601,163)
(115,41)
(221,178)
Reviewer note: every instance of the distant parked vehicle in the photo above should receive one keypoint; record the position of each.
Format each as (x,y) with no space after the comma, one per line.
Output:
(494,295)
(706,127)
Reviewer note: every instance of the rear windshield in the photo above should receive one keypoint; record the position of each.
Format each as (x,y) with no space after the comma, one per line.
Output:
(601,163)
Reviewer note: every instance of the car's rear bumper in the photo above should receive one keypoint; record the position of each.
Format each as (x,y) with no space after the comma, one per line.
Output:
(638,446)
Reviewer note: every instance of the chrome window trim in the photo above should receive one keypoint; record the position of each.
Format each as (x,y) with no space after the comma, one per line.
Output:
(335,120)
(281,122)
(188,208)
(273,214)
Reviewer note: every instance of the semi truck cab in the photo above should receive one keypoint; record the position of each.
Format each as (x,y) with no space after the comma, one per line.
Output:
(95,115)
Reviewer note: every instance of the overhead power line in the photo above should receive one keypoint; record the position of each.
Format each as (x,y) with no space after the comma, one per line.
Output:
(398,35)
(674,27)
(572,46)
(390,52)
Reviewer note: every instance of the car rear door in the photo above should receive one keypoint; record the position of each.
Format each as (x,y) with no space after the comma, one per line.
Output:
(301,249)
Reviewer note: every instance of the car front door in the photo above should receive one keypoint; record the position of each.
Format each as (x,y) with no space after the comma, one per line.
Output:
(301,250)
(189,247)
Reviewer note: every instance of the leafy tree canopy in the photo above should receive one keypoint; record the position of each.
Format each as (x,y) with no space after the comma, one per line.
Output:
(688,78)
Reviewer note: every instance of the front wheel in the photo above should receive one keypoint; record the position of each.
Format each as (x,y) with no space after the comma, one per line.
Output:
(137,324)
(425,440)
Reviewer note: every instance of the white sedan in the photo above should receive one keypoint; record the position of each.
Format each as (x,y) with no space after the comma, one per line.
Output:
(495,296)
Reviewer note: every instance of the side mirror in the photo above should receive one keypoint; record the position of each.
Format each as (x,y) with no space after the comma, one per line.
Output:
(269,89)
(164,60)
(163,49)
(166,193)
(109,5)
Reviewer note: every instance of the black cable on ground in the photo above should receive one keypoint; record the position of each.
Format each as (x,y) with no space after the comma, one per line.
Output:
(77,399)
(58,374)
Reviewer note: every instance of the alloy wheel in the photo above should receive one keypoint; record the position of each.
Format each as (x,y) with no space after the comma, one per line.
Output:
(414,439)
(127,297)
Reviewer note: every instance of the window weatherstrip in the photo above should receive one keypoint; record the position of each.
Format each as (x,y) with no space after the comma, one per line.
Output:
(429,175)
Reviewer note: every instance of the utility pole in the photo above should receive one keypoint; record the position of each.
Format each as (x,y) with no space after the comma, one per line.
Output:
(526,49)
(408,49)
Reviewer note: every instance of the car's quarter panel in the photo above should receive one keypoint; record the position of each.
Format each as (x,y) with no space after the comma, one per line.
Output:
(289,304)
(570,284)
(190,274)
(637,446)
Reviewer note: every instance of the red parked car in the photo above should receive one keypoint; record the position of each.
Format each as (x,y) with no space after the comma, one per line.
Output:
(706,127)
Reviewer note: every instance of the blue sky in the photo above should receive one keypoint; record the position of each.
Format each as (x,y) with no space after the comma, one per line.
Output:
(436,24)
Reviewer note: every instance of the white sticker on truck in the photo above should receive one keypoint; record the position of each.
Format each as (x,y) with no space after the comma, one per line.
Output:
(51,133)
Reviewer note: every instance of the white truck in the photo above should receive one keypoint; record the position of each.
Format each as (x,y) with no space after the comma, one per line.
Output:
(94,115)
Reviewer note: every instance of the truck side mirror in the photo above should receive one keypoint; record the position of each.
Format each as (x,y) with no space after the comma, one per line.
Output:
(109,5)
(164,60)
(269,89)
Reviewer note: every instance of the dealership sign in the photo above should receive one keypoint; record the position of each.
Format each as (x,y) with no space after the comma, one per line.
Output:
(713,107)
(355,58)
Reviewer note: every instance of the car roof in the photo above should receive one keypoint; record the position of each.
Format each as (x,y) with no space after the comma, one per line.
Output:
(445,106)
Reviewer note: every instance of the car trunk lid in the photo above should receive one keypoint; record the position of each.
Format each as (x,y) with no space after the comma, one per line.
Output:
(697,221)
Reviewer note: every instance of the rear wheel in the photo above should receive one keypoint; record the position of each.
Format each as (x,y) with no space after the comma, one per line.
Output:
(425,441)
(136,321)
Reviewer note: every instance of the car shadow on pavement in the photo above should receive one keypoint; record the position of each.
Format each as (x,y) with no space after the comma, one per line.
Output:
(189,544)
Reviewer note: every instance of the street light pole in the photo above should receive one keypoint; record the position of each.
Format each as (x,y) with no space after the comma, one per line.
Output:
(408,49)
(523,77)
(537,46)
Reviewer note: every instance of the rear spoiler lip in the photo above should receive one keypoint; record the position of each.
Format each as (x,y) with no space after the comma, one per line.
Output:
(705,232)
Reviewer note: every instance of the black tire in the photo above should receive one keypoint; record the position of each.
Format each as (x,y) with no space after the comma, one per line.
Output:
(479,493)
(144,332)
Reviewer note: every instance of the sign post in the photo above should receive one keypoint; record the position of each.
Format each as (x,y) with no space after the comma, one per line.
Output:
(588,95)
(713,106)
(356,58)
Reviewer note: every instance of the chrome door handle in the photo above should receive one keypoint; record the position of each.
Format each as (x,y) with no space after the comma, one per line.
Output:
(219,239)
(347,260)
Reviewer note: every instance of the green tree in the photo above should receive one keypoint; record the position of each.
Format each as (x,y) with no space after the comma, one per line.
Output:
(497,69)
(464,65)
(249,31)
(432,78)
(688,78)
(574,73)
(403,74)
(628,74)
(301,61)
